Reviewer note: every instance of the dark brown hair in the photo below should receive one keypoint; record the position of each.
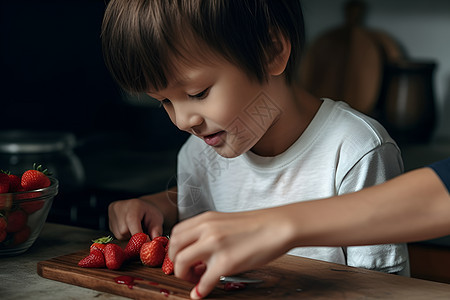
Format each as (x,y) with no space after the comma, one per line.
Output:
(142,39)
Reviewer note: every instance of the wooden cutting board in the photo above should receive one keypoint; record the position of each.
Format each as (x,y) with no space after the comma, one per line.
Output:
(288,277)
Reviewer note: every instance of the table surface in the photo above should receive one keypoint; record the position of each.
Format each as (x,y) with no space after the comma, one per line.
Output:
(18,275)
(19,278)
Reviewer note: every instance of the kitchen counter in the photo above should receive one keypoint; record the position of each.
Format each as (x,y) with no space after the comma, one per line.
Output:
(18,276)
(308,278)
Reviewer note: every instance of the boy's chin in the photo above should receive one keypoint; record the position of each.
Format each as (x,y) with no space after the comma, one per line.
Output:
(229,152)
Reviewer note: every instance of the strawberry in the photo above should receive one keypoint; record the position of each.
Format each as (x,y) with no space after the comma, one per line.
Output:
(100,243)
(16,221)
(2,235)
(32,206)
(4,183)
(167,265)
(35,179)
(22,235)
(133,247)
(6,202)
(163,239)
(3,222)
(15,184)
(152,253)
(14,181)
(114,256)
(95,259)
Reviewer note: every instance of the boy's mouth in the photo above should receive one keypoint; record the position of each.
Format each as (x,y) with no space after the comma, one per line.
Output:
(213,139)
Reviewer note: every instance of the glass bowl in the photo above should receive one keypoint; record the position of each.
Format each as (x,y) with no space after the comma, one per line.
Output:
(22,216)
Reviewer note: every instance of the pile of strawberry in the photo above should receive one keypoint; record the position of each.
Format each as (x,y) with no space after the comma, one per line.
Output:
(153,253)
(33,179)
(14,216)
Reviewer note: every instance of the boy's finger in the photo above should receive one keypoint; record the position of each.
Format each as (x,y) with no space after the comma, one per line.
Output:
(134,228)
(206,284)
(155,231)
(180,239)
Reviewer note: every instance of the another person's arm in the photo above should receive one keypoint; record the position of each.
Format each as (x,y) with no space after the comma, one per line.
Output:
(150,213)
(411,207)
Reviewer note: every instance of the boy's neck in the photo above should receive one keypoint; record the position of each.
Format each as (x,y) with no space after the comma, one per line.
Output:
(297,109)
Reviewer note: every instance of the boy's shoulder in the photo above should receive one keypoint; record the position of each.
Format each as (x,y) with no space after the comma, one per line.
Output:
(340,116)
(338,123)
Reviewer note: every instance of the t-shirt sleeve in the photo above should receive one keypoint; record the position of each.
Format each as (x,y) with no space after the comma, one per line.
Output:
(442,169)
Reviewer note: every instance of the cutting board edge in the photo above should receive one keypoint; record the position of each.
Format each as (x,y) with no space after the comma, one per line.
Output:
(45,270)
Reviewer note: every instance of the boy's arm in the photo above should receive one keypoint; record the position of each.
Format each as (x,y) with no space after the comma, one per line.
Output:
(411,207)
(376,166)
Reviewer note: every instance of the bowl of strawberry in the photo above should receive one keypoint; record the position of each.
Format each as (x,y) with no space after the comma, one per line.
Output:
(25,201)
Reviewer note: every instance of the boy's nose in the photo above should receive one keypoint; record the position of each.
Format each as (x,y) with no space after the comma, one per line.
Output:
(186,119)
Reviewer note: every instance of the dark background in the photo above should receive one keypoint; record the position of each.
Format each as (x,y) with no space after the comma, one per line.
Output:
(53,77)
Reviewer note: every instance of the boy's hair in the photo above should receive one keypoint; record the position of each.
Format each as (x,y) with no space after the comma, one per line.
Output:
(143,39)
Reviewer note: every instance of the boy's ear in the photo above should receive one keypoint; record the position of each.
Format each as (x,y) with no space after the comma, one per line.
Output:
(279,60)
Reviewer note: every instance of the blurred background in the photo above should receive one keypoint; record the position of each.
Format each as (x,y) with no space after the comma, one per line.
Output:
(60,107)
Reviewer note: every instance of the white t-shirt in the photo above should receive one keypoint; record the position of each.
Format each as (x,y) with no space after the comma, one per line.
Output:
(341,151)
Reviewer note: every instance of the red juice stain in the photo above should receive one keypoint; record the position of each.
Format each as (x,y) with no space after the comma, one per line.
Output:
(153,283)
(234,286)
(165,292)
(127,280)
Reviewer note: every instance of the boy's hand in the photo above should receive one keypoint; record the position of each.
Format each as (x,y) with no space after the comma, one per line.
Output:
(128,217)
(227,243)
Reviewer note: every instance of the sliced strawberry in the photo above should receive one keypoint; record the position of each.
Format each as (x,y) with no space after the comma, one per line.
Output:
(114,256)
(152,253)
(133,247)
(95,259)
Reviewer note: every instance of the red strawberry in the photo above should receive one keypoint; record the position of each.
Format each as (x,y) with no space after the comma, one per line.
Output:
(32,206)
(4,183)
(35,179)
(15,184)
(114,256)
(163,239)
(167,265)
(16,221)
(100,243)
(2,235)
(133,248)
(95,259)
(3,222)
(6,202)
(152,253)
(22,235)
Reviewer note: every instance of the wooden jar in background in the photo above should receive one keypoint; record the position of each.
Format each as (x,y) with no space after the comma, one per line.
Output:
(407,100)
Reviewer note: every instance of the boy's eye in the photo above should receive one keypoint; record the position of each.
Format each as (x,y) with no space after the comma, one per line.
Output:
(203,94)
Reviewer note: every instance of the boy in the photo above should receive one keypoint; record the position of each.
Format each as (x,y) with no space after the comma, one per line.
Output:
(224,71)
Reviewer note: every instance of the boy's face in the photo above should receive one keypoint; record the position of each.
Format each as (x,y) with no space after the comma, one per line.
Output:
(220,104)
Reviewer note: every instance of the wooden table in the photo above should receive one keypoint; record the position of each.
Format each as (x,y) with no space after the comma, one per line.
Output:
(59,247)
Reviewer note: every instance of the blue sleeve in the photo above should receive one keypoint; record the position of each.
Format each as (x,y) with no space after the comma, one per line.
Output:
(442,168)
